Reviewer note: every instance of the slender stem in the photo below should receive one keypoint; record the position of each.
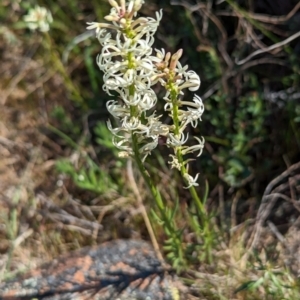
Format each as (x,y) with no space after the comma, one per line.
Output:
(203,219)
(154,191)
(157,197)
(197,200)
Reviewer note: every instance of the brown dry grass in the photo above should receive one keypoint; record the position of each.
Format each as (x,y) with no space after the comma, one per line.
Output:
(40,216)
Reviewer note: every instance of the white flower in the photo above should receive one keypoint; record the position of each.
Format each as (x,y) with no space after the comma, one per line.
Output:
(174,162)
(189,117)
(146,149)
(149,27)
(190,180)
(122,144)
(138,4)
(38,18)
(193,114)
(99,27)
(115,131)
(192,81)
(180,69)
(134,124)
(156,127)
(148,100)
(177,140)
(160,54)
(117,110)
(194,148)
(198,103)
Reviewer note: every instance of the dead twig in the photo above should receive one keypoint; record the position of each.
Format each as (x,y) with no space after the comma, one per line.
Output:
(267,60)
(264,18)
(268,49)
(282,176)
(268,202)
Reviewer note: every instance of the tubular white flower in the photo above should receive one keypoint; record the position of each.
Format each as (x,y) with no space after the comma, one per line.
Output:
(198,104)
(138,4)
(129,76)
(192,81)
(181,70)
(118,111)
(149,28)
(104,37)
(190,180)
(113,84)
(160,54)
(148,100)
(156,128)
(116,130)
(122,144)
(194,112)
(130,6)
(114,4)
(194,148)
(189,117)
(99,26)
(146,149)
(177,141)
(134,124)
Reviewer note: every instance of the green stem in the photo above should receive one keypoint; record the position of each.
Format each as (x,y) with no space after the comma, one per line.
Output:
(154,191)
(197,201)
(203,219)
(157,198)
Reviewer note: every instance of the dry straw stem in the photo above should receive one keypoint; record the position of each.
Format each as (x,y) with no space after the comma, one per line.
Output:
(268,201)
(137,194)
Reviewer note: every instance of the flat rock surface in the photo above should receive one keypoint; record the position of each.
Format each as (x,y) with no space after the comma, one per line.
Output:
(121,269)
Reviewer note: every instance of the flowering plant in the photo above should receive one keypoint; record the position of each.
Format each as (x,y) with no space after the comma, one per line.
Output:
(38,18)
(131,70)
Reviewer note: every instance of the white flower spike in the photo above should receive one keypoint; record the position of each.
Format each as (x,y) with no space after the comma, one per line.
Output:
(130,70)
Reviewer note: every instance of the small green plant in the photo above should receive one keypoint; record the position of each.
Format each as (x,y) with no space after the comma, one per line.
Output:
(67,125)
(89,177)
(274,283)
(241,127)
(130,71)
(103,138)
